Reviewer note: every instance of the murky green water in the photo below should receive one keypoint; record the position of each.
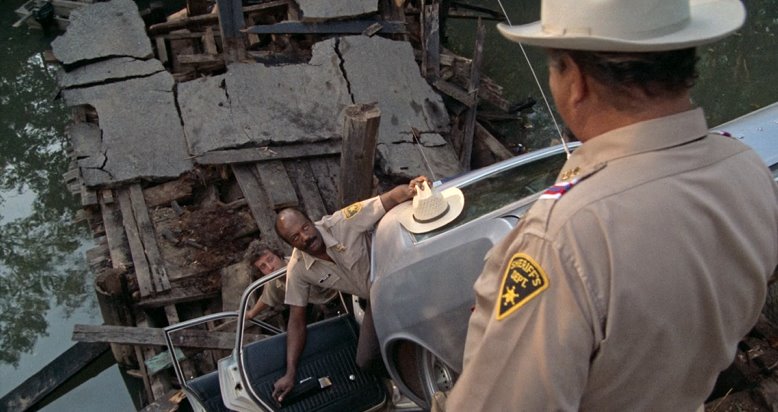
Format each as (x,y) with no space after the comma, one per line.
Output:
(45,285)
(737,75)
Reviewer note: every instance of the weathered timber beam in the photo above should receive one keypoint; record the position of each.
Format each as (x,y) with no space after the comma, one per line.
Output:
(208,19)
(456,92)
(129,335)
(53,375)
(259,154)
(327,27)
(177,294)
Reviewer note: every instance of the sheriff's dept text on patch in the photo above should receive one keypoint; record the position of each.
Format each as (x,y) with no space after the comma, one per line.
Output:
(523,280)
(351,210)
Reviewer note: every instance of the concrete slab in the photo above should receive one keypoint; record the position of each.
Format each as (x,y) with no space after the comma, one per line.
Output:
(207,116)
(142,137)
(256,104)
(109,70)
(385,71)
(316,10)
(404,160)
(101,30)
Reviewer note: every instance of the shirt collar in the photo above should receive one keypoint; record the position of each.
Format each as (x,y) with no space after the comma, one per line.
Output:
(329,241)
(646,136)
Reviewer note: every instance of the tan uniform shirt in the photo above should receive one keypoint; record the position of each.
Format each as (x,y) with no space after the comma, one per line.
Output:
(630,288)
(274,293)
(345,234)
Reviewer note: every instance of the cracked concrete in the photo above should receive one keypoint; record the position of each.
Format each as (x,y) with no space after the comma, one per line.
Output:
(103,30)
(113,69)
(316,10)
(141,131)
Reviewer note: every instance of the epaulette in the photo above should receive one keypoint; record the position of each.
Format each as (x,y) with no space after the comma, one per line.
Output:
(558,189)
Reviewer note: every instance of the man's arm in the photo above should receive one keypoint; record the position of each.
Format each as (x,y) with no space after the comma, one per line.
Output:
(256,309)
(401,193)
(295,343)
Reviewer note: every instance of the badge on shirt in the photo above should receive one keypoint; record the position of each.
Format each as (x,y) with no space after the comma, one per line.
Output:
(352,210)
(523,280)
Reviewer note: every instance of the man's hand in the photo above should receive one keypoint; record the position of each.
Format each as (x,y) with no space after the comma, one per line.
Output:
(282,387)
(402,193)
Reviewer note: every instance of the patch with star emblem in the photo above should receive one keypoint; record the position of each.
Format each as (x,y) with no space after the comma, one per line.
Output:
(352,210)
(523,280)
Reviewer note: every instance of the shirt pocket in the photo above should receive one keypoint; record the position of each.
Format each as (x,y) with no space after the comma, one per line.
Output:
(326,280)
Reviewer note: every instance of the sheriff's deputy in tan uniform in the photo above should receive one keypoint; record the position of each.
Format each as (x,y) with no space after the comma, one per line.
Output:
(332,253)
(267,261)
(630,282)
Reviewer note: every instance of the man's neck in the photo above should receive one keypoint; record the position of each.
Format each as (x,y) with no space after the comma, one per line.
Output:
(603,119)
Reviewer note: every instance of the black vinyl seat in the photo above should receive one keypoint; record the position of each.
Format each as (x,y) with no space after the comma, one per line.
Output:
(330,351)
(207,391)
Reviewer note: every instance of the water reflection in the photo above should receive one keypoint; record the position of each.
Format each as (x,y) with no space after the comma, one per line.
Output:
(39,263)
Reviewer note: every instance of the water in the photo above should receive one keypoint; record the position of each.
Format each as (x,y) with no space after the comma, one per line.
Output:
(45,285)
(737,75)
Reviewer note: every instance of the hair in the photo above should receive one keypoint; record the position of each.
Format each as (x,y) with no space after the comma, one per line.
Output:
(256,250)
(656,74)
(280,216)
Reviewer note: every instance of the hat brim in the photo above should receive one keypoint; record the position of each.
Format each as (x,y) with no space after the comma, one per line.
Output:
(710,20)
(456,203)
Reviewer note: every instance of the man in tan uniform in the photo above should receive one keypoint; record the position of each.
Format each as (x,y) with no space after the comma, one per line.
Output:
(629,283)
(267,261)
(332,253)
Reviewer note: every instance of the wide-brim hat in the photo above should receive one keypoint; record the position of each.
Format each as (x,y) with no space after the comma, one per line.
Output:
(629,25)
(431,209)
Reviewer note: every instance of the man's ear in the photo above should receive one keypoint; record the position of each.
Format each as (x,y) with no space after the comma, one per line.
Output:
(577,81)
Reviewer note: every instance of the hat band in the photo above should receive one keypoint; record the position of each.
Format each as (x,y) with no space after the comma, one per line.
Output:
(432,219)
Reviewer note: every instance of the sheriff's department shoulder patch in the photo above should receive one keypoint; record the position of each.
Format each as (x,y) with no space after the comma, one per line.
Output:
(352,210)
(523,280)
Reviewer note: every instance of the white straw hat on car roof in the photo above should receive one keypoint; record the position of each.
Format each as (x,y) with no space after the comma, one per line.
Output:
(431,209)
(628,25)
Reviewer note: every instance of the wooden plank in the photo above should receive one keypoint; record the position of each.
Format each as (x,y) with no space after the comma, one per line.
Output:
(209,42)
(260,154)
(492,143)
(146,336)
(161,49)
(163,360)
(259,205)
(158,270)
(456,92)
(327,27)
(51,376)
(231,22)
(308,189)
(113,231)
(168,403)
(208,19)
(235,279)
(325,170)
(142,269)
(164,193)
(177,294)
(198,59)
(430,41)
(475,79)
(277,185)
(360,135)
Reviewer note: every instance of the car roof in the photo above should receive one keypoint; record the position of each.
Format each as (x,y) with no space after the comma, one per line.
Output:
(759,130)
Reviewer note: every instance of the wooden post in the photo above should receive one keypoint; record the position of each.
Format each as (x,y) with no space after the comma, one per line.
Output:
(360,133)
(430,41)
(231,22)
(475,80)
